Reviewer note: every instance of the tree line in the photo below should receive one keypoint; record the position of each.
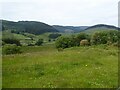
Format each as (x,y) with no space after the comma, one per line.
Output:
(83,39)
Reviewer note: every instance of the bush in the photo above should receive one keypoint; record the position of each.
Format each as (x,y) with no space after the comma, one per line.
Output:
(63,42)
(99,38)
(84,42)
(2,43)
(54,36)
(80,37)
(66,42)
(113,36)
(11,41)
(11,49)
(105,37)
(39,42)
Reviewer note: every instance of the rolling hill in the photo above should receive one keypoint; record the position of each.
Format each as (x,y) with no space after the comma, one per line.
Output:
(32,27)
(37,28)
(70,29)
(86,29)
(100,27)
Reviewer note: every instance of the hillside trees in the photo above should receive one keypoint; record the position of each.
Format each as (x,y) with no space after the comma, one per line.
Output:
(63,42)
(9,38)
(54,35)
(99,38)
(32,27)
(11,49)
(66,42)
(80,37)
(39,42)
(103,37)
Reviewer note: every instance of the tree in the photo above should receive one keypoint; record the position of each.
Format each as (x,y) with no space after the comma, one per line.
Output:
(99,38)
(54,36)
(11,41)
(105,37)
(80,37)
(71,41)
(11,49)
(39,42)
(63,42)
(113,36)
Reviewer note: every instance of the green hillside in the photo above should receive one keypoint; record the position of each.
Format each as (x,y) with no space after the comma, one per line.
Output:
(27,27)
(99,28)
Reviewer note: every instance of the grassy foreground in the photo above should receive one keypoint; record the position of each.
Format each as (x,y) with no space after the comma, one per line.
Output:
(77,67)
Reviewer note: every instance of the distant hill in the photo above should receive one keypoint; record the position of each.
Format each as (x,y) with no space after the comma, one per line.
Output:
(28,26)
(89,29)
(70,29)
(37,28)
(100,27)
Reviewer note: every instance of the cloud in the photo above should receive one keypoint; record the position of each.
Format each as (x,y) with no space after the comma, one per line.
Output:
(62,12)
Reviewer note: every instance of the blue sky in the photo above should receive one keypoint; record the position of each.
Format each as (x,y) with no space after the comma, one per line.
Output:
(61,12)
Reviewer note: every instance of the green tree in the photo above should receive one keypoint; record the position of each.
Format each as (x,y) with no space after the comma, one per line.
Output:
(11,41)
(11,49)
(99,38)
(39,42)
(80,37)
(63,42)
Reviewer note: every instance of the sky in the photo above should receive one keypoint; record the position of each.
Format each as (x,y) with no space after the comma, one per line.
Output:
(61,12)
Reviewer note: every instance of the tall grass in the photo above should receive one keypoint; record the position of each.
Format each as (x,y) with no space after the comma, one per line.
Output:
(76,67)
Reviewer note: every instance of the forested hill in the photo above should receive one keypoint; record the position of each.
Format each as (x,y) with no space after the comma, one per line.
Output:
(102,26)
(66,29)
(37,28)
(27,26)
(75,29)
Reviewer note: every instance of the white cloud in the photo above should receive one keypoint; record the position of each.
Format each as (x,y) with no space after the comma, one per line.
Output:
(63,12)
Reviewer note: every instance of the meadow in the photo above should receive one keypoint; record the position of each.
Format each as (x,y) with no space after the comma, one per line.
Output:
(75,67)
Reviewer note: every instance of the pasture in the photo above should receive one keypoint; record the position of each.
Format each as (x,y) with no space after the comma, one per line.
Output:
(75,67)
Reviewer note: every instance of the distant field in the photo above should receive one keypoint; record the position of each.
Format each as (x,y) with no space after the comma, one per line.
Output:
(77,67)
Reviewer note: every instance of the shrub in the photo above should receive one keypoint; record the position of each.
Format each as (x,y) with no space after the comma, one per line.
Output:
(105,37)
(84,42)
(63,42)
(11,49)
(66,42)
(99,38)
(80,37)
(11,41)
(54,36)
(113,36)
(49,40)
(2,43)
(39,42)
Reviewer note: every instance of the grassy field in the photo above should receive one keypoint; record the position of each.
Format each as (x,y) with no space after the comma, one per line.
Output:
(77,67)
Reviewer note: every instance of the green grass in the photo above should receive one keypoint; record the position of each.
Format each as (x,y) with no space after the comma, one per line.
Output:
(77,67)
(20,36)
